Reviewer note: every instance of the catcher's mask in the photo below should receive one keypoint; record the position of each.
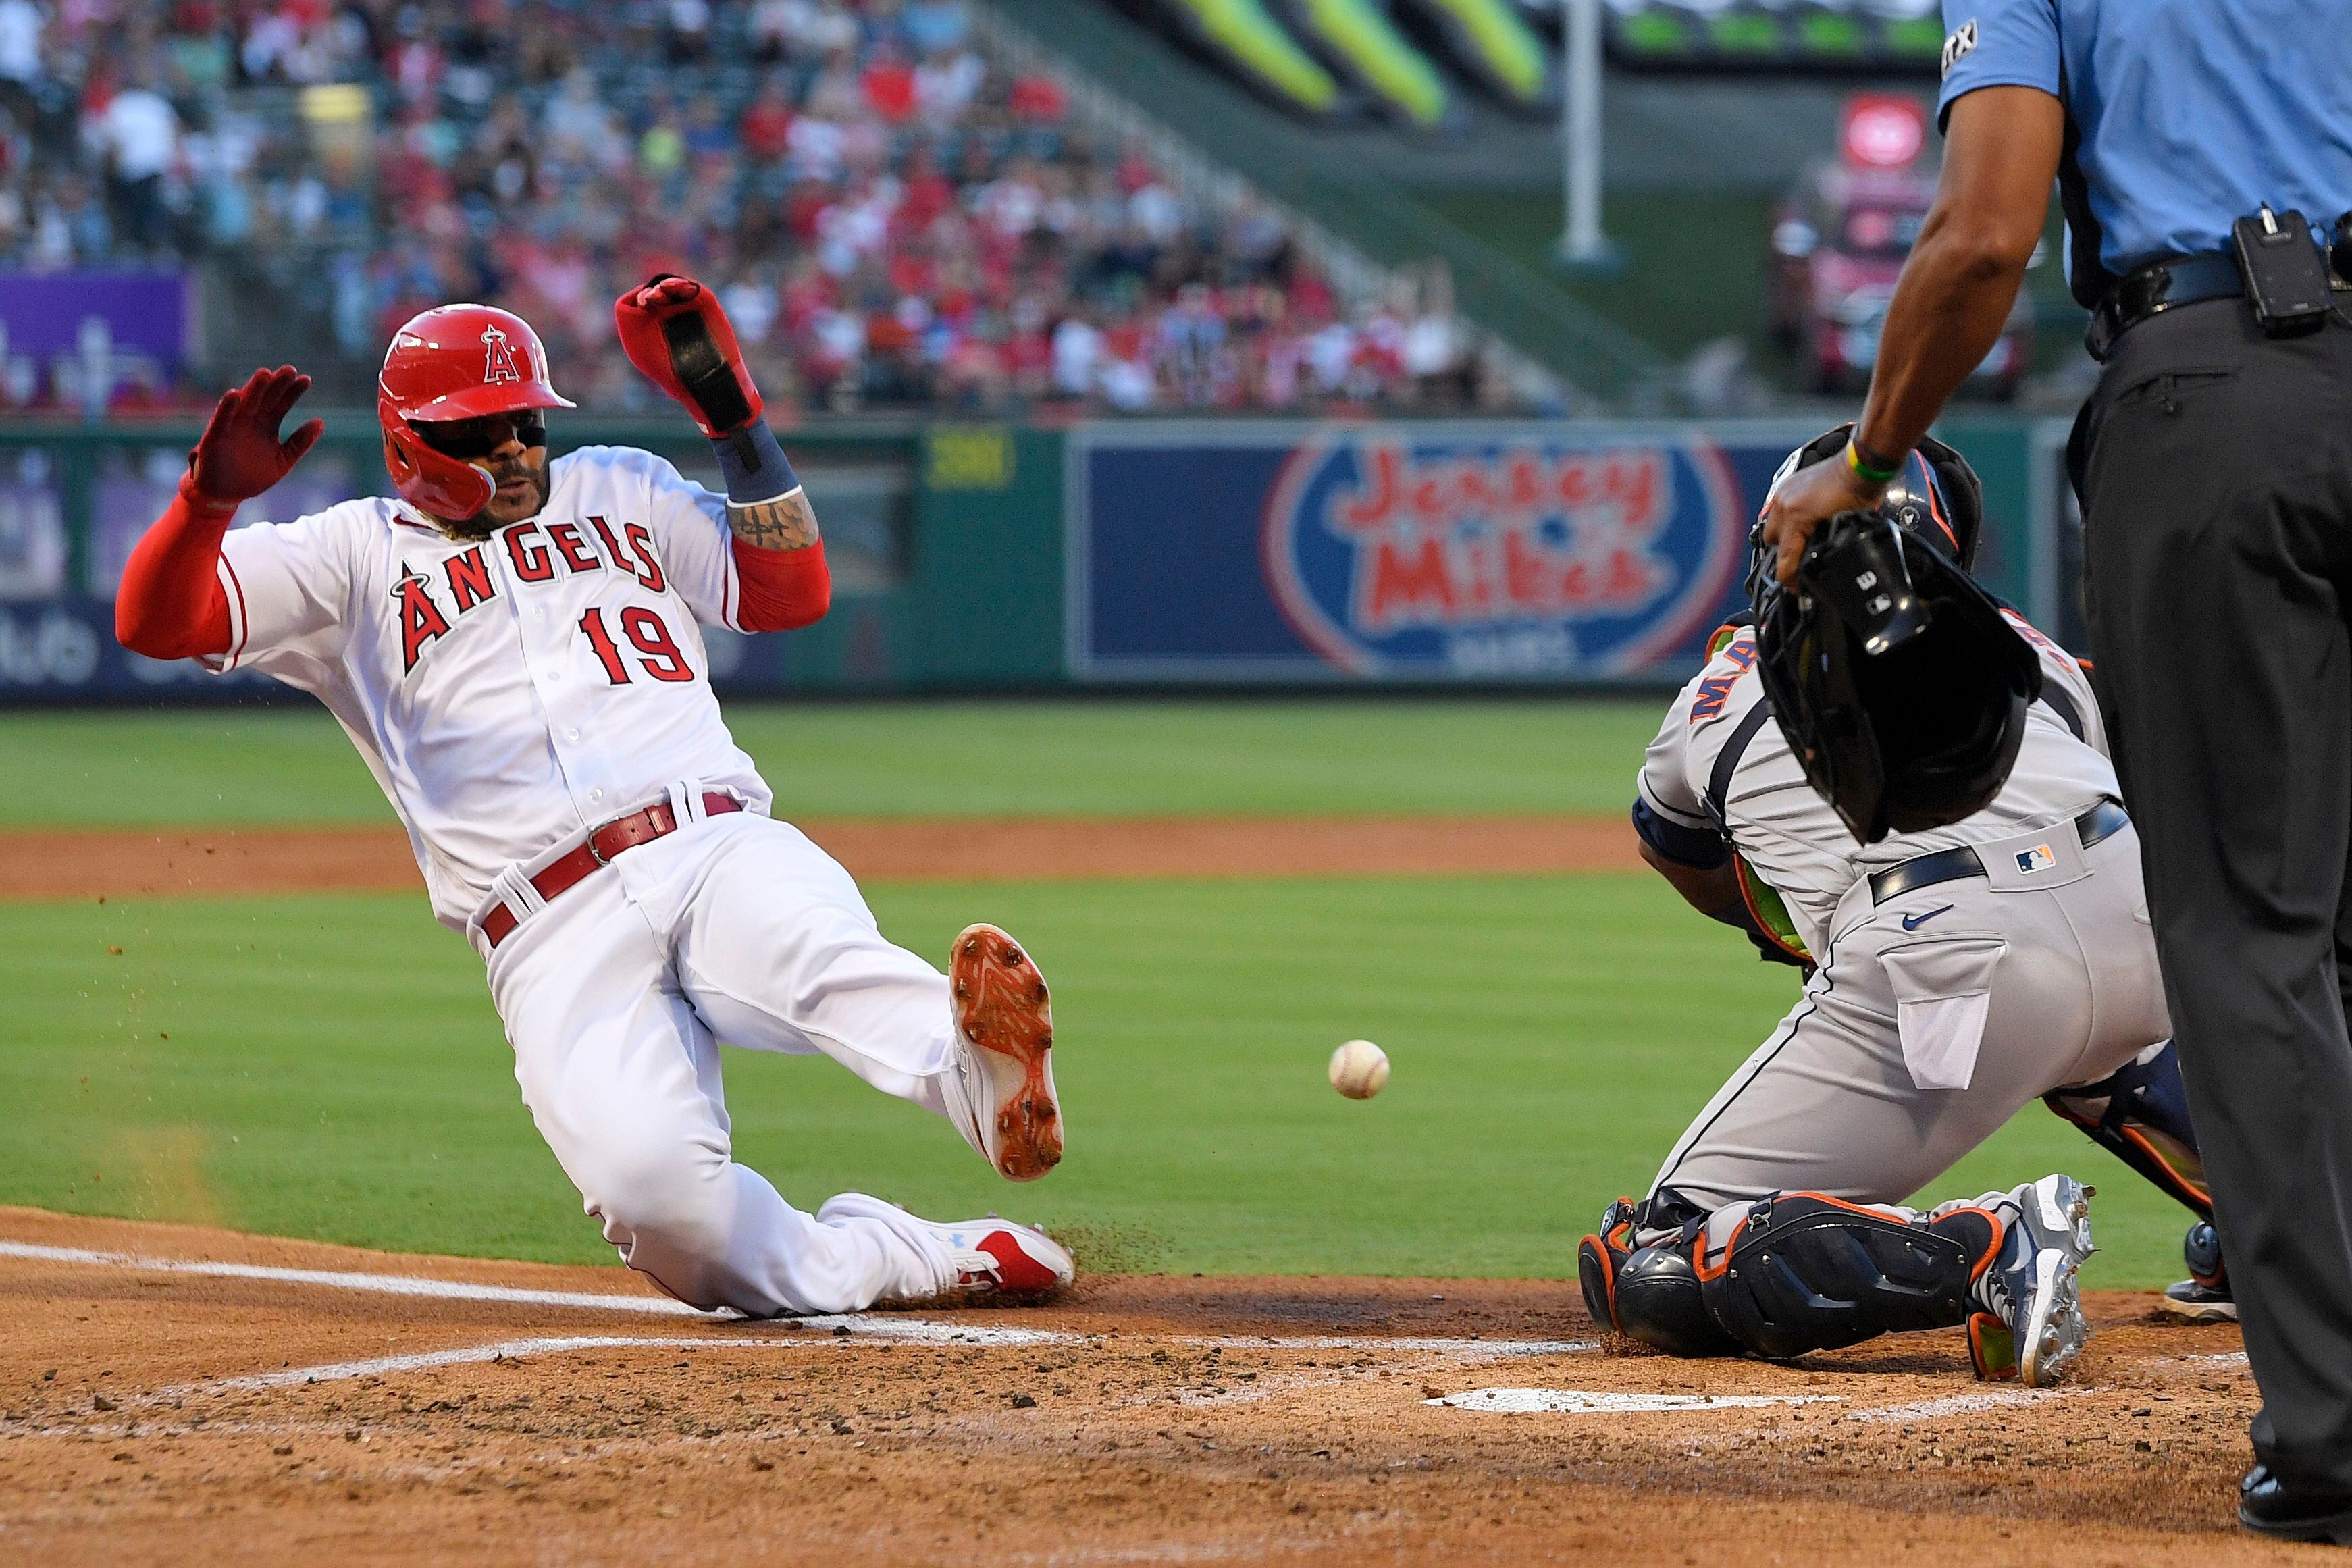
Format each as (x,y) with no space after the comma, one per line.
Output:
(1902,690)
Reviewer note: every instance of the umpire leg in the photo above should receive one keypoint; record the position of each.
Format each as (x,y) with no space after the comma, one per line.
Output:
(2215,471)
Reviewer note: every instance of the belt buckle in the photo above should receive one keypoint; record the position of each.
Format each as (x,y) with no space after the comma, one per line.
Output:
(598,854)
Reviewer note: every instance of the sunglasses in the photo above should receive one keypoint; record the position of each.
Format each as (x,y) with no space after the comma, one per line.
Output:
(467,439)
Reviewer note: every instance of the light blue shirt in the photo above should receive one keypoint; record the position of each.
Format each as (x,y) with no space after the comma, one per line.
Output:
(2182,115)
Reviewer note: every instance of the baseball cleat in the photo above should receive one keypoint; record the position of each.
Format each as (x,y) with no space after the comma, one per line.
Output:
(2204,1297)
(1004,1036)
(2033,1286)
(997,1258)
(2194,1301)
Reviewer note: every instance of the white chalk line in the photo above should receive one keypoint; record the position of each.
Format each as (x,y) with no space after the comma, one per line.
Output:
(887,1326)
(1591,1402)
(1966,1404)
(1594,1402)
(339,1280)
(422,1360)
(875,1325)
(1468,1350)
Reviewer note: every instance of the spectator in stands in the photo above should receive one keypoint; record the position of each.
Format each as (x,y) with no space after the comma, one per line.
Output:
(765,129)
(138,138)
(896,219)
(21,22)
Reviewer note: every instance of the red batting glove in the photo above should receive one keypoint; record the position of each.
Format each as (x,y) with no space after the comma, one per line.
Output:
(239,454)
(674,330)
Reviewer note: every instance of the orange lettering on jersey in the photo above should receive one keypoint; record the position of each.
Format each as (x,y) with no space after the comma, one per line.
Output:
(642,543)
(420,618)
(469,578)
(2024,628)
(1715,689)
(530,560)
(574,549)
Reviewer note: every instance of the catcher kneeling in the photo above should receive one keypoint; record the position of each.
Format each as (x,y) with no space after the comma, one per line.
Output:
(1953,973)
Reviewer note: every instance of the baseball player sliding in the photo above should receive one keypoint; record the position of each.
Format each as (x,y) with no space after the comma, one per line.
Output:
(512,644)
(1961,972)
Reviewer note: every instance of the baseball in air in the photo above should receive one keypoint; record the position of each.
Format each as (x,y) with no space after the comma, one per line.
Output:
(1359,1068)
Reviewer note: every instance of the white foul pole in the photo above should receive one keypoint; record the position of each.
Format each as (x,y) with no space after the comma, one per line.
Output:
(1582,242)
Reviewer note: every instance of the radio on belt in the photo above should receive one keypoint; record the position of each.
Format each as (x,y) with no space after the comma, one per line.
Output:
(2286,276)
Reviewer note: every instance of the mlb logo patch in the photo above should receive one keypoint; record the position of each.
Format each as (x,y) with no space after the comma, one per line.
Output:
(2037,859)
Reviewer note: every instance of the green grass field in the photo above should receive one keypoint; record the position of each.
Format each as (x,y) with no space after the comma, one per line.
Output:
(975,759)
(330,1066)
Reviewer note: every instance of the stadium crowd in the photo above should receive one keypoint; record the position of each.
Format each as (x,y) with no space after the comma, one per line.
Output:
(893,217)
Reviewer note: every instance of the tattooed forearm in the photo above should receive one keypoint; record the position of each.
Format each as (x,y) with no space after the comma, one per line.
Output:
(784,523)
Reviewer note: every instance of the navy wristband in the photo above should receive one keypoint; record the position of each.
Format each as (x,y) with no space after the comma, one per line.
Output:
(756,468)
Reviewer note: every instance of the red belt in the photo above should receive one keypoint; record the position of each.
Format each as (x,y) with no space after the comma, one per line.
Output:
(655,821)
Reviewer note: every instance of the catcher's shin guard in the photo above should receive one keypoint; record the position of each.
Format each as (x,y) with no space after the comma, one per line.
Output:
(2139,1114)
(1661,1303)
(1655,1296)
(1804,1271)
(1600,1256)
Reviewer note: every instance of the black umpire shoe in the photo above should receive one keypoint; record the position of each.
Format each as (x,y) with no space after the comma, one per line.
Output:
(2267,1506)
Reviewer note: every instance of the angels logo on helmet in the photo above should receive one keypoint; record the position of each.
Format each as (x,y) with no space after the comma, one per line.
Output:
(454,361)
(497,360)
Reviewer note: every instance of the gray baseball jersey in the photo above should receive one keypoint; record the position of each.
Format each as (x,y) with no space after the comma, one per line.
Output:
(1936,1016)
(1789,835)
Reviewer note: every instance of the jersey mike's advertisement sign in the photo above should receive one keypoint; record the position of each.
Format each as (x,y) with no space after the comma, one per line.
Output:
(1436,552)
(1499,558)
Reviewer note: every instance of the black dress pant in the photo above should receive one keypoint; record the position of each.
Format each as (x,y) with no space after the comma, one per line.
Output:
(2215,470)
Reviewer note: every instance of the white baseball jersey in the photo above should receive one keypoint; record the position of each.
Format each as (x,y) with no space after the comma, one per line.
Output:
(1789,834)
(506,693)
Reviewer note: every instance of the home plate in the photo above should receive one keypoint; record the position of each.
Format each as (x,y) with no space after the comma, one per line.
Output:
(1585,1402)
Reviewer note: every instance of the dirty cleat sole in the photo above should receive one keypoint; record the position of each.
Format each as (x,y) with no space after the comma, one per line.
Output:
(2049,1329)
(1004,1020)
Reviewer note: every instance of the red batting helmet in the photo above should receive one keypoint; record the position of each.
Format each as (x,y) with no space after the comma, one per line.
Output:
(459,361)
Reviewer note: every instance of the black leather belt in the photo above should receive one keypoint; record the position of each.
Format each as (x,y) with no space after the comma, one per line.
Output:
(2159,287)
(2101,822)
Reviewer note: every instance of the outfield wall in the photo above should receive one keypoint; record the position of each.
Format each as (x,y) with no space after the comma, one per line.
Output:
(974,557)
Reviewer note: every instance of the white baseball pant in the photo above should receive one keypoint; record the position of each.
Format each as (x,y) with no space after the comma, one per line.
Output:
(615,996)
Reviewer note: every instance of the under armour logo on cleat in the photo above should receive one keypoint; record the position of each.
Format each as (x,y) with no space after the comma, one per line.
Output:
(1913,922)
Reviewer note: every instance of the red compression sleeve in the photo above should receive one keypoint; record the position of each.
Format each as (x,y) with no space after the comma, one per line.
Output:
(783,590)
(171,604)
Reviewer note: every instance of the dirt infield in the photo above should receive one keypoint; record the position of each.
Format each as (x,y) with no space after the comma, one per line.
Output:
(171,1394)
(190,862)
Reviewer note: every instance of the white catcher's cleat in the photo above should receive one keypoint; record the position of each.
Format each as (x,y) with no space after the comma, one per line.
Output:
(2033,1287)
(1004,1093)
(997,1258)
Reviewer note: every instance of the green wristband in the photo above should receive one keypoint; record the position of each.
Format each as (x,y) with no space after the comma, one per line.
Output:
(1867,472)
